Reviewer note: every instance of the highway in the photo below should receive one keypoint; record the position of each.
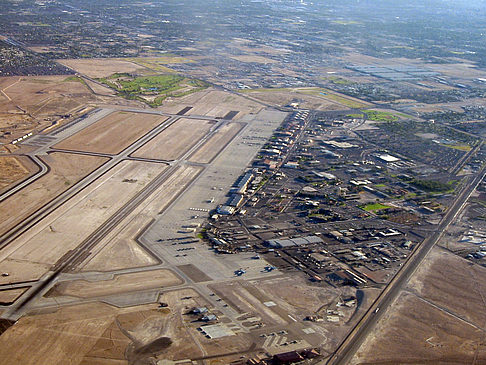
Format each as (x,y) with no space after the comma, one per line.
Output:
(355,338)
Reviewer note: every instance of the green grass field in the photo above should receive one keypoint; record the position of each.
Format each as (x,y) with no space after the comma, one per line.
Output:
(374,207)
(158,87)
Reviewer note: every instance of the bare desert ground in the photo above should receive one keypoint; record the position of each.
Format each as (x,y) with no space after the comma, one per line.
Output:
(65,228)
(113,133)
(35,102)
(101,67)
(438,319)
(99,334)
(14,168)
(171,143)
(119,284)
(66,170)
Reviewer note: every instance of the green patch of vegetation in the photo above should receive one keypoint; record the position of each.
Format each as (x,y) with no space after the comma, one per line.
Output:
(337,80)
(433,186)
(153,90)
(75,79)
(373,207)
(356,116)
(460,147)
(379,116)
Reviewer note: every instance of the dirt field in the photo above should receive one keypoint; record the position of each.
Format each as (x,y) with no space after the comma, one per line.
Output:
(65,228)
(101,67)
(119,250)
(213,103)
(216,143)
(13,169)
(119,284)
(66,170)
(113,133)
(98,334)
(283,97)
(417,333)
(436,320)
(176,140)
(9,296)
(43,98)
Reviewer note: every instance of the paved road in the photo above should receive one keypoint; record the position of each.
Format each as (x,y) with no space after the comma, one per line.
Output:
(354,340)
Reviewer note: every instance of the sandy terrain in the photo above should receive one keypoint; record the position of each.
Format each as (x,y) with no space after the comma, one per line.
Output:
(68,226)
(213,103)
(119,284)
(9,296)
(113,133)
(13,169)
(119,250)
(438,319)
(42,98)
(66,169)
(98,334)
(101,67)
(285,97)
(216,143)
(418,333)
(176,140)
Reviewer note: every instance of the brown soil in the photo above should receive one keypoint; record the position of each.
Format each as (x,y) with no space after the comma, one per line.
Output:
(101,67)
(119,284)
(113,133)
(66,169)
(13,169)
(176,140)
(33,103)
(437,320)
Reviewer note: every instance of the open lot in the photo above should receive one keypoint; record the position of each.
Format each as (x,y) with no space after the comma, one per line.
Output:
(65,169)
(13,169)
(416,332)
(9,296)
(176,140)
(118,284)
(216,143)
(101,67)
(214,103)
(113,133)
(64,229)
(427,323)
(99,334)
(307,98)
(30,103)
